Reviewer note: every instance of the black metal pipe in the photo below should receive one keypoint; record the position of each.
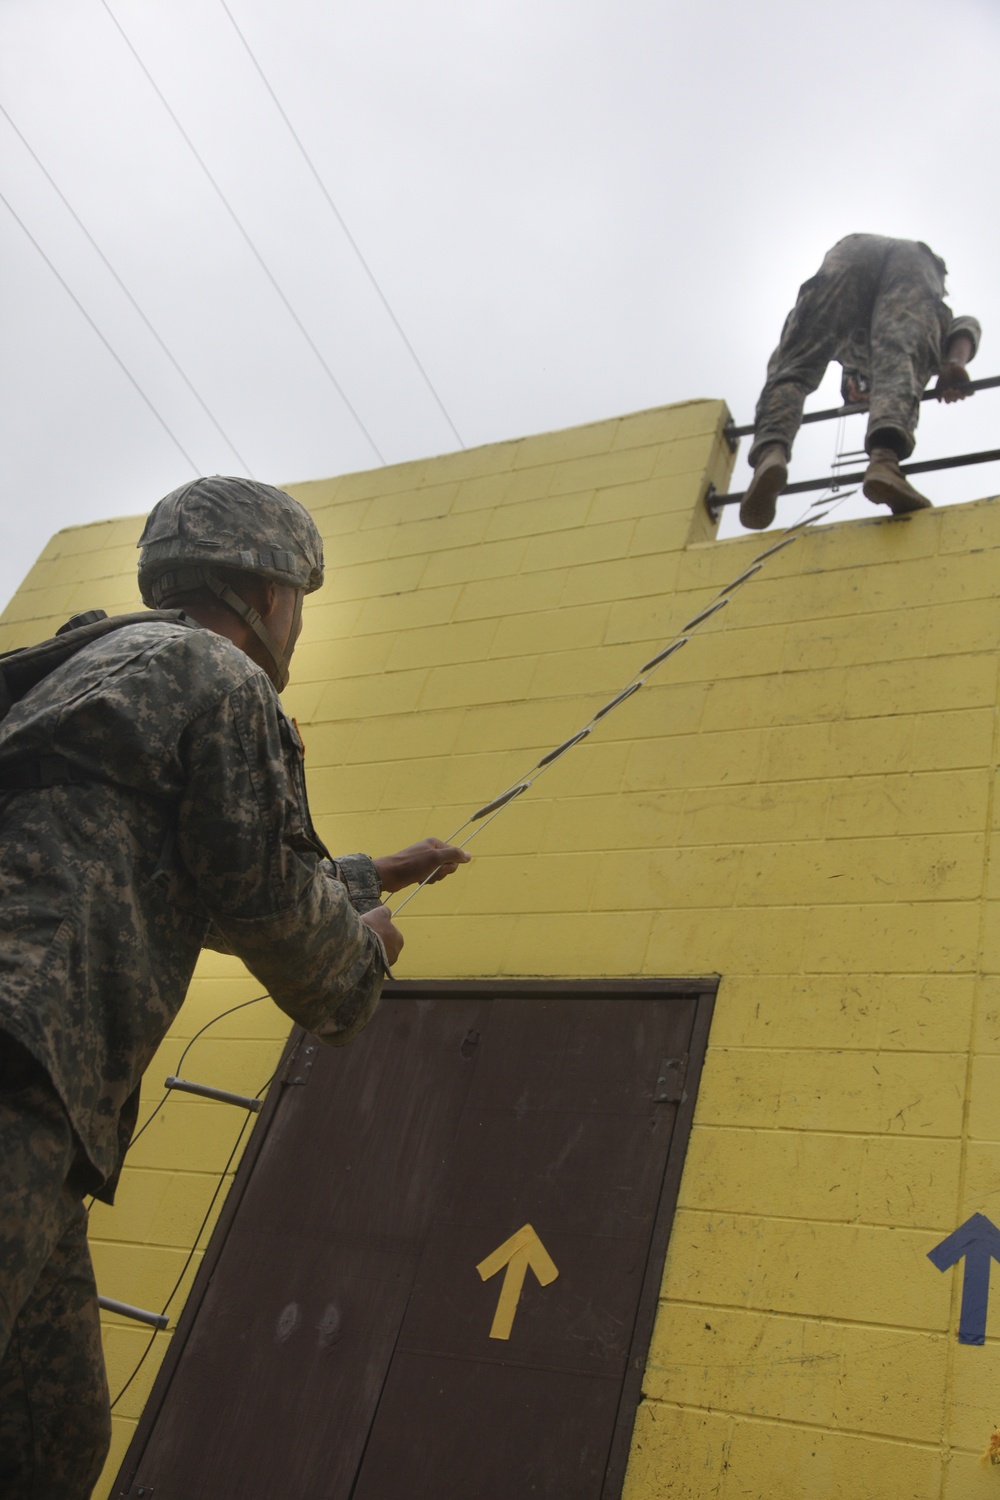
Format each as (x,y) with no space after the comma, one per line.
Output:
(849,411)
(992,455)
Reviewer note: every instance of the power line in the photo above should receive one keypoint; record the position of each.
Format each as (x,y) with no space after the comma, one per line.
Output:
(115,356)
(340,220)
(245,467)
(246,236)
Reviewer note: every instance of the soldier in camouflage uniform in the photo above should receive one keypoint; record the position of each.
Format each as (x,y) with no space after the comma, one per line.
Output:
(877,306)
(152,801)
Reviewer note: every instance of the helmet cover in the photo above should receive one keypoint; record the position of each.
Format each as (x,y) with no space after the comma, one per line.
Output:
(221,522)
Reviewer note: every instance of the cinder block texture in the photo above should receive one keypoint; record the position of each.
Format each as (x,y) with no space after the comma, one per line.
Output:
(802,800)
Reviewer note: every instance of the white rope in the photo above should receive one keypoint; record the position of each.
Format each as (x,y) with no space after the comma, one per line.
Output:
(512,793)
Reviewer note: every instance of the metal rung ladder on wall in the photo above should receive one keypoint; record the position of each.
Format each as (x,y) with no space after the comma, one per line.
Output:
(715,503)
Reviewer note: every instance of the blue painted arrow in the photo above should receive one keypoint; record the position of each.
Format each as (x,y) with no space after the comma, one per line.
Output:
(978,1240)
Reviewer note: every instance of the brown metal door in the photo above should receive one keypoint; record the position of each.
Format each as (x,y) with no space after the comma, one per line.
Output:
(343,1344)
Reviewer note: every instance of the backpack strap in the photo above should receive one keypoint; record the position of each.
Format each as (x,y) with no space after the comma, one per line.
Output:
(41,771)
(22,670)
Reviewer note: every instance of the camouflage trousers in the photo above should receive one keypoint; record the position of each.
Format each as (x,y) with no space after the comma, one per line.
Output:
(55,1421)
(885,296)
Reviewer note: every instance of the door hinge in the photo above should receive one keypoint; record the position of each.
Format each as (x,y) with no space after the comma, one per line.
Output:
(300,1064)
(669,1087)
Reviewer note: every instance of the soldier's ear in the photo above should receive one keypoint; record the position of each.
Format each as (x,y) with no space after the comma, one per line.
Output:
(267,598)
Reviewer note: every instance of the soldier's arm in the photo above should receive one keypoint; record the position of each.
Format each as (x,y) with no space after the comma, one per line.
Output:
(277,906)
(431,859)
(359,874)
(356,872)
(960,346)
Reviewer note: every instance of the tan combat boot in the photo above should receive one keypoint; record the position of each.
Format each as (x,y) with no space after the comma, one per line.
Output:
(770,475)
(886,484)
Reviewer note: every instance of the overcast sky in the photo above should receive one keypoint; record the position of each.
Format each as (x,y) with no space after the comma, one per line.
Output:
(573,208)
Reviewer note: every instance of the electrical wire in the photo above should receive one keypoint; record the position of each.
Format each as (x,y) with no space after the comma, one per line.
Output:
(167,1094)
(180,1062)
(194,1247)
(114,355)
(331,377)
(245,467)
(343,225)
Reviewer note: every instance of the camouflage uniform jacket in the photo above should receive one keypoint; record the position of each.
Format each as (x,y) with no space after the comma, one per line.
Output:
(189,816)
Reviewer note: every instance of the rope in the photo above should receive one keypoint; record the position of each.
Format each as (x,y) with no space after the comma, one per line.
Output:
(638,680)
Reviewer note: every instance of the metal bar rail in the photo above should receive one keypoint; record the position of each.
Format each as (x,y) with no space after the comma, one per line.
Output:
(207,1091)
(139,1314)
(731,433)
(714,503)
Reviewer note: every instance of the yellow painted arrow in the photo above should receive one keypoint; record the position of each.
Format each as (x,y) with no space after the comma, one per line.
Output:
(522,1250)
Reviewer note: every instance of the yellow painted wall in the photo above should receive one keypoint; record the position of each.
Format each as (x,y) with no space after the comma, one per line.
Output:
(801,801)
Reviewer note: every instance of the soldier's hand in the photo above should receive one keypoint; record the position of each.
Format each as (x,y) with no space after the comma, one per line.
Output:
(853,394)
(431,857)
(381,923)
(953,383)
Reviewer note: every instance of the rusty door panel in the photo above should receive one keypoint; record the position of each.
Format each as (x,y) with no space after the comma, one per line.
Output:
(591,1057)
(360,1147)
(581,1322)
(551,1157)
(334,1216)
(338,1344)
(561,1132)
(243,1416)
(547,1436)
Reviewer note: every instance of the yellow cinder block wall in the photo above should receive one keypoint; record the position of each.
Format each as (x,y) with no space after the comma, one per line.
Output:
(802,801)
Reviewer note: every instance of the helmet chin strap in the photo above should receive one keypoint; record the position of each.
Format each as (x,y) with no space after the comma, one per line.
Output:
(183,580)
(280,655)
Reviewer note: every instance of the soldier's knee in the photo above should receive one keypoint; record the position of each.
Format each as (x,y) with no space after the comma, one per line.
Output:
(71,1449)
(96,1444)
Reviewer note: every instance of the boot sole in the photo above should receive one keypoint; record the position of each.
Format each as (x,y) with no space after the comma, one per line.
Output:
(758,509)
(884,492)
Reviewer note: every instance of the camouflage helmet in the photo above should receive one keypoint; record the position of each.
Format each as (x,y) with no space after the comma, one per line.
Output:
(228,523)
(231,523)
